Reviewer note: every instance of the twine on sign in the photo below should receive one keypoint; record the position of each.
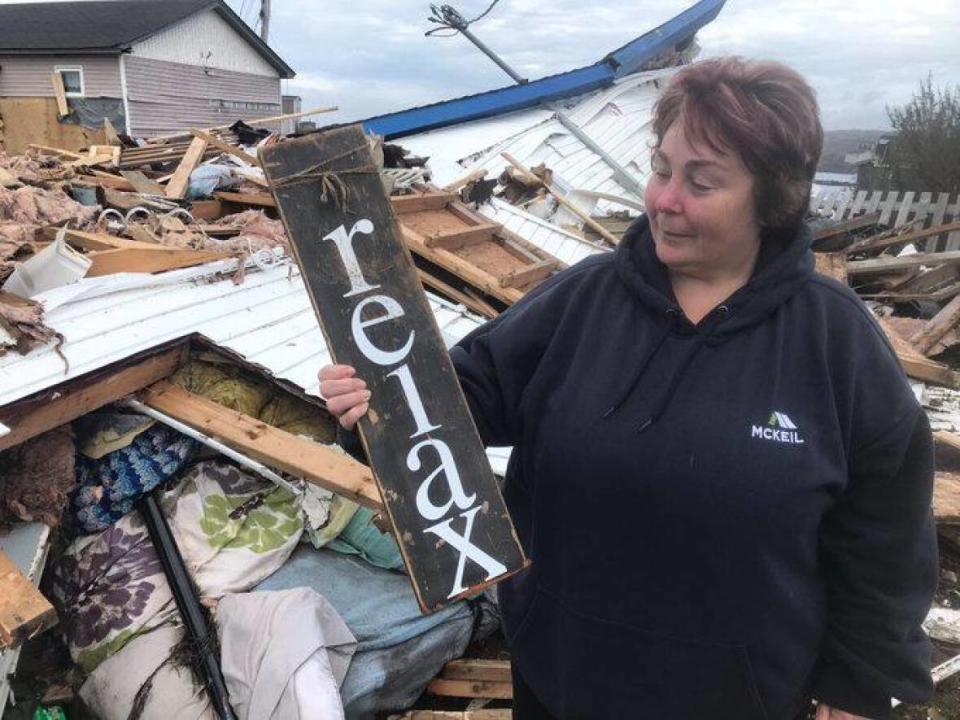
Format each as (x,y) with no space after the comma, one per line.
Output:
(332,186)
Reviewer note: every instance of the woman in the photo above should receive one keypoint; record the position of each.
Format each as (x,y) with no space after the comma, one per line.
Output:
(720,473)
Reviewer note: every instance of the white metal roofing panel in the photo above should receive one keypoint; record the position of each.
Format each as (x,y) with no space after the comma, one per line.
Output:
(267,319)
(563,245)
(617,118)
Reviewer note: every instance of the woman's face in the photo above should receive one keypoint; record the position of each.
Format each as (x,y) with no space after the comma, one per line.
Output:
(701,210)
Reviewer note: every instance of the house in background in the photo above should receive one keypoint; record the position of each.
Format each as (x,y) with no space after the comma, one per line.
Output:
(150,66)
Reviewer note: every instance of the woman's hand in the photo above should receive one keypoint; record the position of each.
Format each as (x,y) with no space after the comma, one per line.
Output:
(347,396)
(825,712)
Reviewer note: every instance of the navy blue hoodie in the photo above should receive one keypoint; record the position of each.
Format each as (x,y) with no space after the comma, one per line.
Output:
(724,519)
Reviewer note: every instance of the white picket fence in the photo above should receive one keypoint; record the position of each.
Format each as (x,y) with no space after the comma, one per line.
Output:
(896,210)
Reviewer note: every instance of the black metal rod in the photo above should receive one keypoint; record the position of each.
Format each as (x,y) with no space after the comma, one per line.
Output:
(187,602)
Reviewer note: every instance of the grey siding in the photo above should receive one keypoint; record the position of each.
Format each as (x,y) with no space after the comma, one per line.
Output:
(166,97)
(29,76)
(205,35)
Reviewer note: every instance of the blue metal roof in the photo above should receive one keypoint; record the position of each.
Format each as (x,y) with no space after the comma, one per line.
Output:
(621,62)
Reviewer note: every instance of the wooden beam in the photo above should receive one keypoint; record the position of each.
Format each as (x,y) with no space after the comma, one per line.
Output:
(877,266)
(471,689)
(58,152)
(142,184)
(93,242)
(65,402)
(24,612)
(470,669)
(588,221)
(274,447)
(177,187)
(858,223)
(148,260)
(916,365)
(225,147)
(418,203)
(526,275)
(260,199)
(460,237)
(207,209)
(881,242)
(938,326)
(60,94)
(476,304)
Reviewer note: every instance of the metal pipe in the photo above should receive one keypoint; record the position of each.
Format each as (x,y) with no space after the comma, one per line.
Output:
(191,612)
(620,174)
(214,444)
(493,56)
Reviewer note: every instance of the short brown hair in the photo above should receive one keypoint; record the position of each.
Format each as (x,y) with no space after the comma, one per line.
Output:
(763,111)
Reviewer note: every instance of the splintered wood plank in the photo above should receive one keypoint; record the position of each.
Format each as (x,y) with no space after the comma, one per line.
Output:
(93,242)
(916,365)
(454,239)
(527,275)
(471,689)
(141,183)
(893,264)
(24,612)
(418,432)
(858,223)
(258,199)
(417,203)
(270,445)
(946,498)
(224,147)
(938,326)
(60,94)
(478,306)
(832,265)
(881,242)
(148,260)
(469,669)
(62,403)
(177,187)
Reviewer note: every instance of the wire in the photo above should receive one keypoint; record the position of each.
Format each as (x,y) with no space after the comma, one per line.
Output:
(448,18)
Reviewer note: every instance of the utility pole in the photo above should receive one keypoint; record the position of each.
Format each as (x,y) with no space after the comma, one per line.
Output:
(448,16)
(264,20)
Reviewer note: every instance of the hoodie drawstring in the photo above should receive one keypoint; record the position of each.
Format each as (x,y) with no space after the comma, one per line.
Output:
(702,338)
(672,318)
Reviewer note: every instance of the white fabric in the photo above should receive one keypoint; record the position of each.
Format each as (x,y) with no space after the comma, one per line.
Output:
(284,654)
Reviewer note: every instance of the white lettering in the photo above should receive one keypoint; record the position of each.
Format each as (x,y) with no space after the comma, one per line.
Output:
(412,396)
(344,242)
(372,352)
(448,467)
(756,431)
(462,543)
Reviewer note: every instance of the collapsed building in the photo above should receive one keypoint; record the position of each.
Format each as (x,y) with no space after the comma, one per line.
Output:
(159,354)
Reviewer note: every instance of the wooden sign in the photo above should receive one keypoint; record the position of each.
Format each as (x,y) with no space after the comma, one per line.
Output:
(450,519)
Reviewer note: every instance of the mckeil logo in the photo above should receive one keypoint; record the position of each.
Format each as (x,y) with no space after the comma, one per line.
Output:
(779,428)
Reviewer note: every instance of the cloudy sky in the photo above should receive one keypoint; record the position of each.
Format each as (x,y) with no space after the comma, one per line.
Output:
(370,57)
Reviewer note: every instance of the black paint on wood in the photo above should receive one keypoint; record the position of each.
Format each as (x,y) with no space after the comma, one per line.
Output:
(429,510)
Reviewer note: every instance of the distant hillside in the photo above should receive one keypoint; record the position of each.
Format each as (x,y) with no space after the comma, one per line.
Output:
(837,143)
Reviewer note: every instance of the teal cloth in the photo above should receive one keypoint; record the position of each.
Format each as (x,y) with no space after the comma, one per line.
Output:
(361,537)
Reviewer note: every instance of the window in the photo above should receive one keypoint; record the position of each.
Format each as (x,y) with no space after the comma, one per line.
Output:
(72,80)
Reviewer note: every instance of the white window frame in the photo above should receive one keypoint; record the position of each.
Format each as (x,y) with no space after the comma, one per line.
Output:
(72,68)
